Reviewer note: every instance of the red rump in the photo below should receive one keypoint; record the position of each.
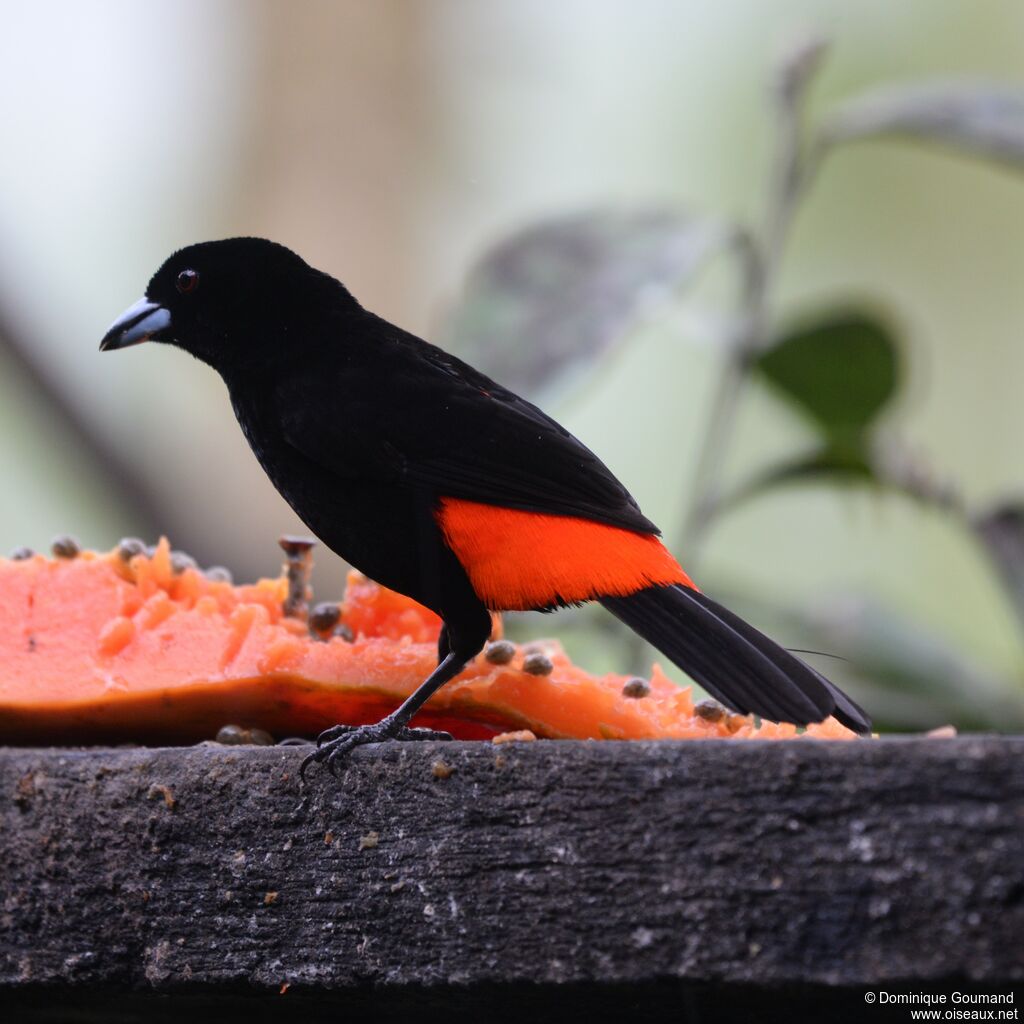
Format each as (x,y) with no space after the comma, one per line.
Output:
(521,560)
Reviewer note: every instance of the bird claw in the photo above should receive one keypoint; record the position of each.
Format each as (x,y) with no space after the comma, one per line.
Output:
(333,733)
(332,745)
(408,735)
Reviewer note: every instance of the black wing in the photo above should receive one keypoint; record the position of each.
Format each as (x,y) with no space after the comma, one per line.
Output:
(395,408)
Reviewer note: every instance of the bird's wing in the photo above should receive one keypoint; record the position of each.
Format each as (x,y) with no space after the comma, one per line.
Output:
(417,416)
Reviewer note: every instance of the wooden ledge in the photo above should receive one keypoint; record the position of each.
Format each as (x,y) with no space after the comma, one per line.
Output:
(676,877)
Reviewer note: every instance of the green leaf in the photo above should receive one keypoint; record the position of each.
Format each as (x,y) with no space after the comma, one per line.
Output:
(983,118)
(1001,531)
(908,675)
(564,291)
(843,462)
(840,371)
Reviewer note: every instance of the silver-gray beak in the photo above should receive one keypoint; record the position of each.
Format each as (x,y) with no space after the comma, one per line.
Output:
(144,321)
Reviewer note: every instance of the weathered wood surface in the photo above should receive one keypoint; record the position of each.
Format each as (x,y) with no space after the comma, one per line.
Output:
(671,878)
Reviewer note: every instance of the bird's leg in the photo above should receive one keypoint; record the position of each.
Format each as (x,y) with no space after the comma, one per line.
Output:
(444,644)
(335,743)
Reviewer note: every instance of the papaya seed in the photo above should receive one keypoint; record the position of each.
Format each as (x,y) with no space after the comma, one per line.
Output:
(65,546)
(500,652)
(324,617)
(295,547)
(237,735)
(129,547)
(180,561)
(538,664)
(636,688)
(231,735)
(710,710)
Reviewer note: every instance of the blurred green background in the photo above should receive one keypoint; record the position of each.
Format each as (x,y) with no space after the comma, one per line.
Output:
(393,143)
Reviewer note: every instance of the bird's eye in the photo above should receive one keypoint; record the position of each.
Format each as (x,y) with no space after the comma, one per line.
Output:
(188,281)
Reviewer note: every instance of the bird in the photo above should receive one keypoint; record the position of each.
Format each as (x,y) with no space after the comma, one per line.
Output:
(439,483)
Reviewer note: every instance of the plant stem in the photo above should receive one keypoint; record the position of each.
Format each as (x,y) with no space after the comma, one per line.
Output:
(761,257)
(19,352)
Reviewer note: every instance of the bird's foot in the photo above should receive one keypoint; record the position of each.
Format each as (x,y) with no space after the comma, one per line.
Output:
(334,744)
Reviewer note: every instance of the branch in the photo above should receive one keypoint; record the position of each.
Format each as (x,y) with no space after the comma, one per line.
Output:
(760,259)
(116,470)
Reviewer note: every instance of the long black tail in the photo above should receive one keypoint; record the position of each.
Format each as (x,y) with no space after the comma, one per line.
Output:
(734,662)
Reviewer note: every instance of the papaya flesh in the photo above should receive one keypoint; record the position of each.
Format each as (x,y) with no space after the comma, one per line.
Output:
(99,648)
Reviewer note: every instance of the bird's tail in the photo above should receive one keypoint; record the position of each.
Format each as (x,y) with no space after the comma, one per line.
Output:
(734,662)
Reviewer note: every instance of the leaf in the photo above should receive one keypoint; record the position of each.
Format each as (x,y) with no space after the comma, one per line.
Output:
(842,462)
(854,461)
(840,371)
(1001,531)
(907,674)
(564,291)
(984,118)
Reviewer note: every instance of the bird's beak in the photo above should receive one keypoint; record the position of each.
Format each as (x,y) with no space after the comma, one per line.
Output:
(144,321)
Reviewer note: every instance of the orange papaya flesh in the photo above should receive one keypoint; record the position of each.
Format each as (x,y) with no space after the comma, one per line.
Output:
(95,649)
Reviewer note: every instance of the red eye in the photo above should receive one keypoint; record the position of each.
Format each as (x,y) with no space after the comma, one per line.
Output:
(188,281)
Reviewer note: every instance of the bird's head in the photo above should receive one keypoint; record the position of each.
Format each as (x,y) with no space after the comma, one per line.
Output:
(230,302)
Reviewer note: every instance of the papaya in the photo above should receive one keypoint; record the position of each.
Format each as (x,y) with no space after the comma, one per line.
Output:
(136,645)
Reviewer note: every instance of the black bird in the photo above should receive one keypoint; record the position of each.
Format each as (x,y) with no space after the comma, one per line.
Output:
(439,483)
